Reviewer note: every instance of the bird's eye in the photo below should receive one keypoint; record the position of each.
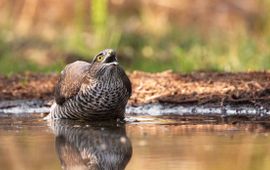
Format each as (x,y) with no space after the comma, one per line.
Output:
(100,58)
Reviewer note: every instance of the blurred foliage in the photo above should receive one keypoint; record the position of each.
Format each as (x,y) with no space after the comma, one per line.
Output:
(148,35)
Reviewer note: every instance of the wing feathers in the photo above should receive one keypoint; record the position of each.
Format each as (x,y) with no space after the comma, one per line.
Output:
(70,81)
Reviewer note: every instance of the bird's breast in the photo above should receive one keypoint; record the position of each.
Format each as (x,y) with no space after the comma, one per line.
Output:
(104,96)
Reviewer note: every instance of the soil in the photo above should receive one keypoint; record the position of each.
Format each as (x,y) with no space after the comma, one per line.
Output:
(165,87)
(201,87)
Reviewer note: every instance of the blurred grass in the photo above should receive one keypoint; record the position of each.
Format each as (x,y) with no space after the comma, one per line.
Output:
(144,40)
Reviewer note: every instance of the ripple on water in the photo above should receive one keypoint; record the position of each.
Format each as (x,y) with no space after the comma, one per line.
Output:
(156,109)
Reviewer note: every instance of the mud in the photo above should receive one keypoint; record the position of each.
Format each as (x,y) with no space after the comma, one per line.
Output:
(199,88)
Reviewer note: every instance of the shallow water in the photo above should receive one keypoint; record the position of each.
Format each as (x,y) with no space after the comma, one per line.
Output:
(29,143)
(156,109)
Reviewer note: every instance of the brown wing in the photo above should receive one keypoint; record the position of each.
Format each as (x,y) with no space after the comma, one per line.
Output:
(70,81)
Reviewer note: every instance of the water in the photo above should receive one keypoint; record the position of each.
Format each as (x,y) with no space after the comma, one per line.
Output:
(156,109)
(143,143)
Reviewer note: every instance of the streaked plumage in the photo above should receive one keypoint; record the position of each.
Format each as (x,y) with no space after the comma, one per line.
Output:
(96,90)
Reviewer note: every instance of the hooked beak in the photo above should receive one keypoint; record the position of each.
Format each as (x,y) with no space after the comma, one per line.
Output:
(110,57)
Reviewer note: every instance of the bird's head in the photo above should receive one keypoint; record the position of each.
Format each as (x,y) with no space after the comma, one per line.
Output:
(105,58)
(104,62)
(106,69)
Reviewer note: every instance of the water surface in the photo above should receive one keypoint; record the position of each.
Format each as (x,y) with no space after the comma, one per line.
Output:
(29,143)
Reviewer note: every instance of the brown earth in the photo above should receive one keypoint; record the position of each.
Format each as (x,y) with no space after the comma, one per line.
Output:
(168,87)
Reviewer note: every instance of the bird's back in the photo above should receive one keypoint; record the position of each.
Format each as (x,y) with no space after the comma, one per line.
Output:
(70,81)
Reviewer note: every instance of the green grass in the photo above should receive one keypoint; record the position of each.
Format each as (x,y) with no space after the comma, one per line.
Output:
(143,52)
(180,49)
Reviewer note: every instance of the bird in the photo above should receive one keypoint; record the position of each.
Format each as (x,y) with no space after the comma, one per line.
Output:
(93,90)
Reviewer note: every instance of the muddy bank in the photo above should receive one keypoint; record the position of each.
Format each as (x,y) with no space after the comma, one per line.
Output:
(27,86)
(199,88)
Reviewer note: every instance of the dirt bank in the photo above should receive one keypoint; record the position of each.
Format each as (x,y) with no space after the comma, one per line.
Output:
(169,87)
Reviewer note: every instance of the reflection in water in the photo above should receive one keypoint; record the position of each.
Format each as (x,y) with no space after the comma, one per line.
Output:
(25,144)
(81,146)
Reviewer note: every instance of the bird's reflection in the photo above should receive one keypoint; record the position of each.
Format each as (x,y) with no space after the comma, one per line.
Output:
(85,145)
